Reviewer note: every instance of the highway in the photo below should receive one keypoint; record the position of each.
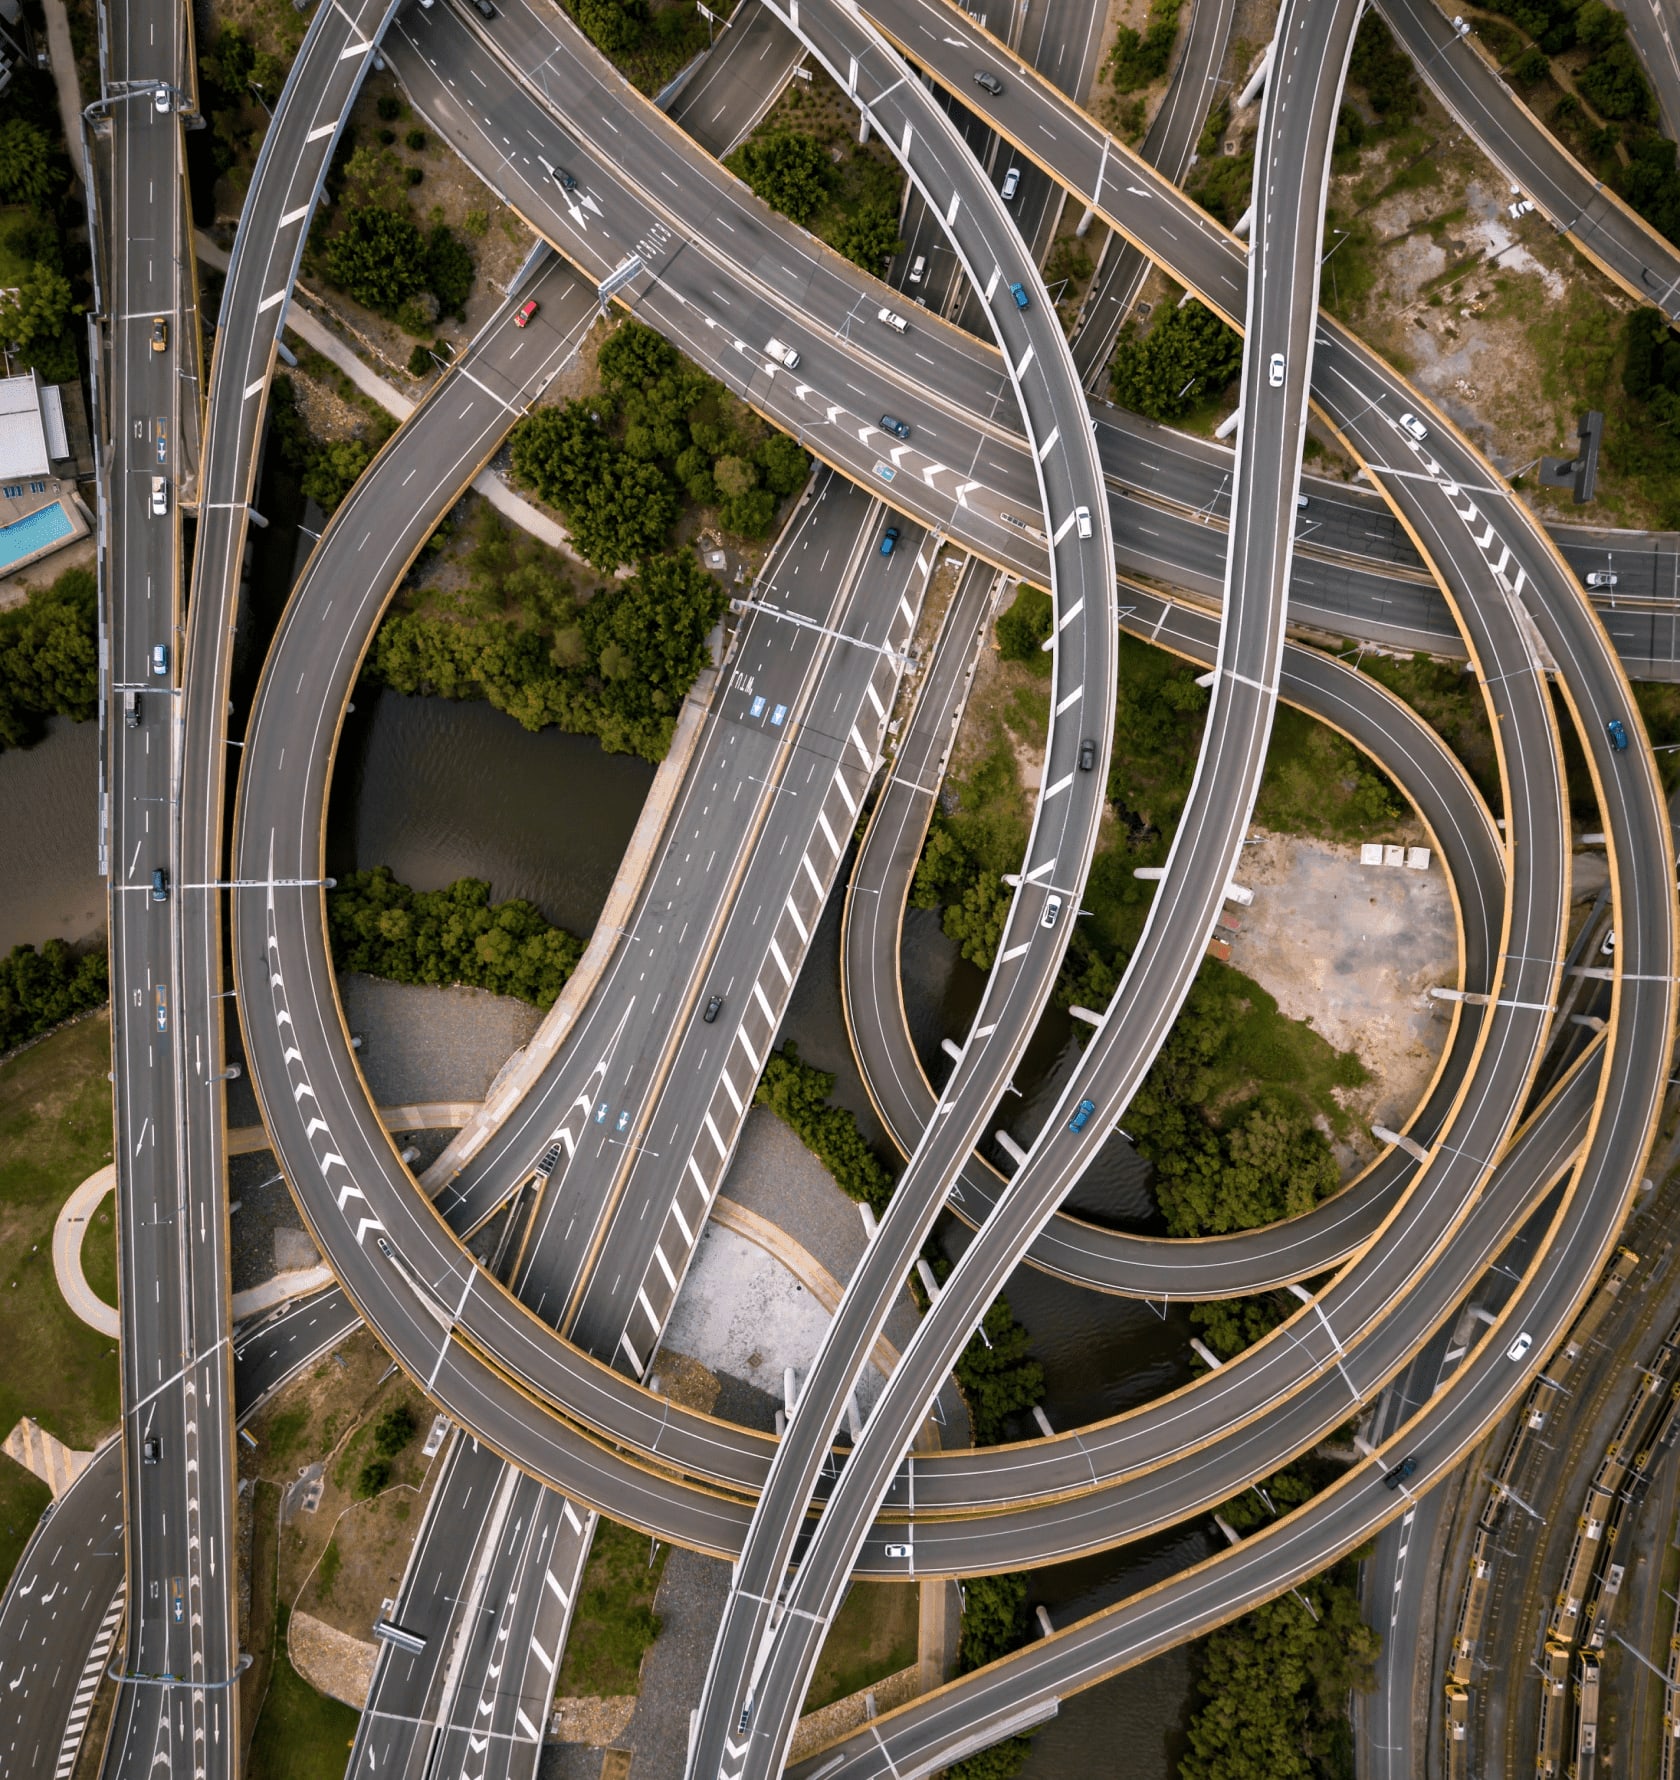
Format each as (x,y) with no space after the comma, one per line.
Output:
(1608,231)
(1466,842)
(1652,33)
(451,1296)
(1169,145)
(73,1569)
(176,1371)
(760,1672)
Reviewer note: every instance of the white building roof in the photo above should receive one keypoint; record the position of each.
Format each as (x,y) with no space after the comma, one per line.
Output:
(24,450)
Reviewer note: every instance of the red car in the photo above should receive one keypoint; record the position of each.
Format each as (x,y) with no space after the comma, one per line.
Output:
(525,311)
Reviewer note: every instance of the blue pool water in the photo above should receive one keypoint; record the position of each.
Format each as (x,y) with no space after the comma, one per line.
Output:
(35,531)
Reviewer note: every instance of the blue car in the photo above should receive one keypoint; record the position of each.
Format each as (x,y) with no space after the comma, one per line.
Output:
(889,538)
(1618,734)
(1082,1115)
(1019,293)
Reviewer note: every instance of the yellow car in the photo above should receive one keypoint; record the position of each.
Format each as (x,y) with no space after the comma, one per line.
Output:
(160,334)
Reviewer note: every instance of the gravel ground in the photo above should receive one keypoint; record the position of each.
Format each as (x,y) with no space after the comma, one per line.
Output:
(420,1043)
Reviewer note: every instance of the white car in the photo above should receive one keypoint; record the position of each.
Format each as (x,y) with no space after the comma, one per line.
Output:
(160,498)
(163,99)
(1602,578)
(1520,1346)
(1082,521)
(1415,427)
(1052,912)
(893,320)
(1011,184)
(1274,371)
(898,1551)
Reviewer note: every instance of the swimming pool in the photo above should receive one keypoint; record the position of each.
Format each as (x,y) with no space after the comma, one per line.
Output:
(34,532)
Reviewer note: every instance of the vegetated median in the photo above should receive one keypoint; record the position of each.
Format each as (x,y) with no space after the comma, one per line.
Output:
(657,448)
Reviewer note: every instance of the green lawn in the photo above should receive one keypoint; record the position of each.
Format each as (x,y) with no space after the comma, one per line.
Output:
(22,1498)
(874,1635)
(615,1621)
(300,1734)
(55,1130)
(99,1250)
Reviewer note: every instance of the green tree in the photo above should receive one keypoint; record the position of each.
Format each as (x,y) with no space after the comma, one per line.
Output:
(1614,84)
(1139,58)
(613,26)
(1188,355)
(28,170)
(40,988)
(789,170)
(995,1622)
(798,1094)
(449,270)
(377,257)
(782,463)
(1025,627)
(455,935)
(1384,70)
(998,1379)
(39,310)
(49,659)
(333,471)
(868,236)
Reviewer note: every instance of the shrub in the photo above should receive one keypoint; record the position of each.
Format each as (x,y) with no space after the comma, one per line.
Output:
(798,1093)
(1383,69)
(416,140)
(374,1476)
(389,107)
(790,171)
(1025,627)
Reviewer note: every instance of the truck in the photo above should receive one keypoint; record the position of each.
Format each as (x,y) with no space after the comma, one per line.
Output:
(783,354)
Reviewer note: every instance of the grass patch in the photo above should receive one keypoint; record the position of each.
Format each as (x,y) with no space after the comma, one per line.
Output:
(615,1621)
(23,1500)
(1316,782)
(1449,700)
(55,1130)
(99,1250)
(874,1635)
(300,1734)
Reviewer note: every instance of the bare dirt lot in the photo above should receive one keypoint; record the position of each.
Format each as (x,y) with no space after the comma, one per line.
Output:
(1353,950)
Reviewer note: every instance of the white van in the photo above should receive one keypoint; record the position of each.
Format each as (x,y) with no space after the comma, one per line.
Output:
(893,320)
(783,355)
(918,269)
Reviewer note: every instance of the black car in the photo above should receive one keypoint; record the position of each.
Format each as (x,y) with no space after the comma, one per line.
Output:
(1400,1473)
(988,82)
(1087,755)
(567,182)
(152,1450)
(486,8)
(714,1007)
(890,423)
(160,885)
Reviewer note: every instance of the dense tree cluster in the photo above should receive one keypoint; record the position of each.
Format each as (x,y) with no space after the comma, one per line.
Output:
(455,935)
(38,313)
(1383,72)
(391,1433)
(995,1622)
(998,1379)
(49,658)
(1188,355)
(1642,434)
(1275,1684)
(618,670)
(1141,57)
(619,466)
(648,44)
(1264,1161)
(235,78)
(794,173)
(798,1093)
(38,989)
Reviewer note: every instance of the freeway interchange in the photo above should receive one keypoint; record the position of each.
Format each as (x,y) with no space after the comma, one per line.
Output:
(545,1354)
